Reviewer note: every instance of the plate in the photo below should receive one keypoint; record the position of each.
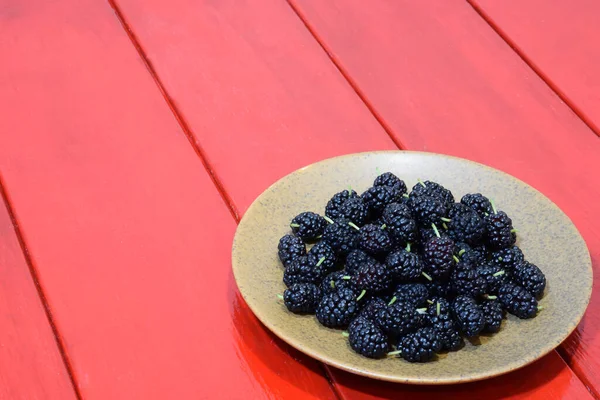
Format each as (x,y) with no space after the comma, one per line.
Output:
(546,235)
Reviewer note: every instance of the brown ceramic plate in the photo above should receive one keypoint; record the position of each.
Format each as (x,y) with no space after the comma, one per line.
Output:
(545,234)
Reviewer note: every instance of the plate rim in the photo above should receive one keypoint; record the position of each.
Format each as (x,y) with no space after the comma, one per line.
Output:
(398,379)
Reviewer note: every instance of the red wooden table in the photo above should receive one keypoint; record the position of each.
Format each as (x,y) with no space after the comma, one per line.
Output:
(134,134)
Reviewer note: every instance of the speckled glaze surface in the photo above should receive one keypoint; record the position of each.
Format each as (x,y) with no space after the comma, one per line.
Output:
(546,235)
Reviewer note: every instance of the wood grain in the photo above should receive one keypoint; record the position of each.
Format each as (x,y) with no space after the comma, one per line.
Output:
(129,236)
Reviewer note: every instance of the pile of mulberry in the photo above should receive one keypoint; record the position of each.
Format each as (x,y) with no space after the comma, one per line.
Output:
(408,274)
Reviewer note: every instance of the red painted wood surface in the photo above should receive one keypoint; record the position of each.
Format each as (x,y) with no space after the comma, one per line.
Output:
(257,88)
(444,81)
(560,40)
(31,366)
(234,35)
(548,378)
(129,236)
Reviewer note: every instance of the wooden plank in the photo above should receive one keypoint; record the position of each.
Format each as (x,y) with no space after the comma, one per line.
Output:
(443,81)
(264,38)
(256,90)
(31,366)
(130,238)
(559,40)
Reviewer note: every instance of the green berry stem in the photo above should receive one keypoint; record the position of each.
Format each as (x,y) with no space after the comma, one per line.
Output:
(405,195)
(430,301)
(499,273)
(445,219)
(493,206)
(513,230)
(328,219)
(332,284)
(394,353)
(540,308)
(421,183)
(438,308)
(426,276)
(461,252)
(392,301)
(435,229)
(489,297)
(444,226)
(346,277)
(295,225)
(456,259)
(321,260)
(280,296)
(361,295)
(383,226)
(421,310)
(408,246)
(345,334)
(319,237)
(352,224)
(499,258)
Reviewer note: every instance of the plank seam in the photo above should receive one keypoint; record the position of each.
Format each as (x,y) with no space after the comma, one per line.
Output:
(504,36)
(398,143)
(337,63)
(34,276)
(581,375)
(202,155)
(331,380)
(537,70)
(178,115)
(197,148)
